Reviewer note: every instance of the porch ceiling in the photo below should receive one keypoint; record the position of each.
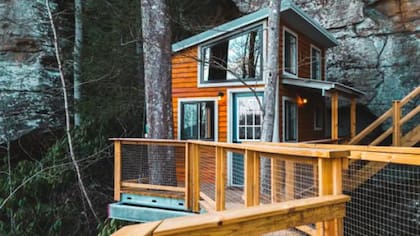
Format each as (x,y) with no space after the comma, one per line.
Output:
(325,86)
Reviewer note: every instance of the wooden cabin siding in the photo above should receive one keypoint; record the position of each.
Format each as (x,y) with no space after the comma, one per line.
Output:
(184,85)
(304,53)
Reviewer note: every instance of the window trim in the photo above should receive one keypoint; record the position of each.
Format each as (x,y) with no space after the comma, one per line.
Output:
(284,99)
(320,107)
(320,62)
(285,73)
(244,30)
(199,99)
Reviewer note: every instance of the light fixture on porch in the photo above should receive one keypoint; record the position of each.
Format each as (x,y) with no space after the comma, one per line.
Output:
(301,100)
(220,95)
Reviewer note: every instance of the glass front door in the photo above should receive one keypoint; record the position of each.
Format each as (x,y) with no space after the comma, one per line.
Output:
(246,126)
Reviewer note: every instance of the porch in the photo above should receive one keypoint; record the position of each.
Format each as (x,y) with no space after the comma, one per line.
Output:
(199,180)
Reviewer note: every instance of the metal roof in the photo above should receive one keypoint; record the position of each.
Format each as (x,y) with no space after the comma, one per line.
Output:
(290,13)
(324,86)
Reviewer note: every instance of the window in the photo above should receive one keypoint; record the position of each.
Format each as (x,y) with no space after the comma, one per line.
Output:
(232,59)
(315,63)
(318,117)
(290,53)
(249,117)
(290,120)
(197,120)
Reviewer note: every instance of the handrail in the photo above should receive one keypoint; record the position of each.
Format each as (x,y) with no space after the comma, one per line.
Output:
(253,220)
(385,116)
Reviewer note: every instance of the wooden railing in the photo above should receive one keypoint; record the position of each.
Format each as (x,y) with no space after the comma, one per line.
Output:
(120,184)
(398,121)
(249,221)
(377,156)
(327,164)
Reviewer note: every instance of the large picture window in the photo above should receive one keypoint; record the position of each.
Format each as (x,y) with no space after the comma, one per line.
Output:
(231,59)
(290,53)
(197,120)
(315,63)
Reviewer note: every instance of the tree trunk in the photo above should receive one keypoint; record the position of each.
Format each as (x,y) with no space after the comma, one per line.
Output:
(271,77)
(77,55)
(158,86)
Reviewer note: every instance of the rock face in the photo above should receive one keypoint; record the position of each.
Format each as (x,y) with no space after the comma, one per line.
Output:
(379,46)
(29,84)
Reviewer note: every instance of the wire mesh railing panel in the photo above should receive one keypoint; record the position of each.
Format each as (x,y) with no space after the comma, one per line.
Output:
(234,190)
(292,180)
(153,164)
(207,171)
(266,187)
(385,199)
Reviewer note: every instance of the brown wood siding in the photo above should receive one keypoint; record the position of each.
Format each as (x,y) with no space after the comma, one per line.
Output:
(304,53)
(184,85)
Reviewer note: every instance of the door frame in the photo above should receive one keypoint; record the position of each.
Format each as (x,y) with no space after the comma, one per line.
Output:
(285,98)
(230,106)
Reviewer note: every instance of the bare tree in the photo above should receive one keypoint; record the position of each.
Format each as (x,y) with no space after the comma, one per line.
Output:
(271,78)
(158,87)
(77,54)
(67,113)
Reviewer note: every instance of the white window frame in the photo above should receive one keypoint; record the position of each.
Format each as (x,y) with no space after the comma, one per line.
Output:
(285,73)
(320,61)
(225,36)
(200,99)
(319,108)
(284,99)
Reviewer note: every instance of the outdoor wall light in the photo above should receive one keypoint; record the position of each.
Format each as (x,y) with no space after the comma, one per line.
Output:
(220,95)
(301,101)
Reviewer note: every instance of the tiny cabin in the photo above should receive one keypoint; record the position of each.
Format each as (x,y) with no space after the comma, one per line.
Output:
(218,86)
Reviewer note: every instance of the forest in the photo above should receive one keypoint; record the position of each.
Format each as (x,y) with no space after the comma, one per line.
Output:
(72,76)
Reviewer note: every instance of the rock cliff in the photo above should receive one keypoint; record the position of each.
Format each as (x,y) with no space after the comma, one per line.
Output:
(379,46)
(29,85)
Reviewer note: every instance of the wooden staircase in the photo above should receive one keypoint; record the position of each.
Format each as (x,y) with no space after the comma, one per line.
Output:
(410,139)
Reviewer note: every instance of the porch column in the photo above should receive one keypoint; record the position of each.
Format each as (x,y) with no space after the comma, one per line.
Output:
(334,115)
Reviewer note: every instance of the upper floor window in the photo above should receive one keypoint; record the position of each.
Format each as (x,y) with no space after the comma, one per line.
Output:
(197,120)
(290,53)
(315,63)
(238,57)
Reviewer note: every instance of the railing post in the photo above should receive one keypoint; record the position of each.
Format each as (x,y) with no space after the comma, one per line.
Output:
(334,115)
(289,180)
(117,170)
(251,179)
(396,128)
(195,158)
(220,178)
(330,183)
(188,177)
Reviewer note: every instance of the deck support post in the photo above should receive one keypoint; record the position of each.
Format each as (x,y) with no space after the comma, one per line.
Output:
(117,170)
(192,177)
(220,178)
(330,183)
(334,115)
(396,128)
(252,177)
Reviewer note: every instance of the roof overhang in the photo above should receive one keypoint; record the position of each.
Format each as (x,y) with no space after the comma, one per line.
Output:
(290,13)
(325,87)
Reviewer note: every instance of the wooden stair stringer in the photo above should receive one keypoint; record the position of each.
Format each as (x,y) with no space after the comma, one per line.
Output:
(411,138)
